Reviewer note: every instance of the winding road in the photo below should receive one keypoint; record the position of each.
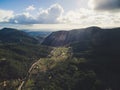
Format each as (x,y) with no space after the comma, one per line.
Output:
(56,53)
(28,75)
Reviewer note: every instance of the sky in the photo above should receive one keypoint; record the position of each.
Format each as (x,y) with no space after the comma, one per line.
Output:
(59,14)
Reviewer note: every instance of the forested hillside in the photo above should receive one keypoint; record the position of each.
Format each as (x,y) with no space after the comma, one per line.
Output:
(18,51)
(84,59)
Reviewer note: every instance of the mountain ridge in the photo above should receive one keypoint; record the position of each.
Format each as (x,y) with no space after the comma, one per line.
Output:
(67,37)
(75,35)
(10,35)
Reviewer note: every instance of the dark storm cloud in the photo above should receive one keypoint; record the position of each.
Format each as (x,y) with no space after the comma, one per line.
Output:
(105,4)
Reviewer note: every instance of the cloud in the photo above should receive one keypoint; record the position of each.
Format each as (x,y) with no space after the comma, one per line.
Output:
(30,8)
(45,16)
(5,15)
(24,18)
(55,14)
(51,14)
(104,4)
(90,17)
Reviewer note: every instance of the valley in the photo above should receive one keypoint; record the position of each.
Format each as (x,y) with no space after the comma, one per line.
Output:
(56,56)
(59,44)
(80,59)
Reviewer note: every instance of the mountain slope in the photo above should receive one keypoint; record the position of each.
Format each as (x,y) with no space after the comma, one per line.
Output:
(62,38)
(99,50)
(9,35)
(90,62)
(39,35)
(98,40)
(15,60)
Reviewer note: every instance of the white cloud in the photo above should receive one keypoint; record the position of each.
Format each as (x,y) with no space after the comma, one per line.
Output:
(30,8)
(5,15)
(24,18)
(51,14)
(45,16)
(55,14)
(90,17)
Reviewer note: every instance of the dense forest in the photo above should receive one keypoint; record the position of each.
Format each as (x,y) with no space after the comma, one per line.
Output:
(81,59)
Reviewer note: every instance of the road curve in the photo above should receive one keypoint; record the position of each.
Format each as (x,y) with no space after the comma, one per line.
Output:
(28,75)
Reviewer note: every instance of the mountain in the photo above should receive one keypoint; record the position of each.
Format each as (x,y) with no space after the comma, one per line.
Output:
(9,35)
(92,39)
(101,41)
(90,60)
(63,38)
(18,51)
(95,53)
(39,35)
